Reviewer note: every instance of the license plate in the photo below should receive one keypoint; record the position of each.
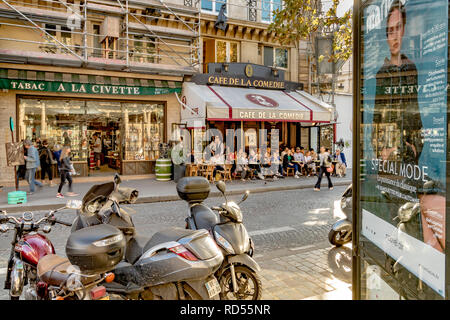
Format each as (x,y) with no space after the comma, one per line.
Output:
(213,287)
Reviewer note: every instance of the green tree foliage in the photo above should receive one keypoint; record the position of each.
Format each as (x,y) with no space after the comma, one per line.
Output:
(302,19)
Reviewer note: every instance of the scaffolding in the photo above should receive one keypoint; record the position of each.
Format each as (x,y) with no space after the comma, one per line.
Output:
(126,35)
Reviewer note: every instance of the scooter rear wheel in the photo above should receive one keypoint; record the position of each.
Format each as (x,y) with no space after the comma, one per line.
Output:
(338,238)
(249,285)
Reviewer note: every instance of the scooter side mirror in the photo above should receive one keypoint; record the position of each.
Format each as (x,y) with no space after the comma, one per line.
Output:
(221,186)
(117,179)
(245,196)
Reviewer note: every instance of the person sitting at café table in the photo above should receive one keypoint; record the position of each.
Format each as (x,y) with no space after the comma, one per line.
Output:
(242,165)
(284,152)
(310,165)
(299,159)
(287,161)
(341,163)
(266,162)
(254,163)
(276,164)
(219,161)
(313,154)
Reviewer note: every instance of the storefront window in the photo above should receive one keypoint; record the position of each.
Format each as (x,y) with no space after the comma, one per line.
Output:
(226,51)
(403,149)
(129,131)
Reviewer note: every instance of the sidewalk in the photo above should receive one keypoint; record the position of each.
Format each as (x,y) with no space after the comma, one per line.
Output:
(322,272)
(151,190)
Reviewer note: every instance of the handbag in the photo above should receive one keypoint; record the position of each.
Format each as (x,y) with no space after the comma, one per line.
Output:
(330,169)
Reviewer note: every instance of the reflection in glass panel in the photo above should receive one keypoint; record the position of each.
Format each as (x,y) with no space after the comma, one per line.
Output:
(221,51)
(281,58)
(143,130)
(233,52)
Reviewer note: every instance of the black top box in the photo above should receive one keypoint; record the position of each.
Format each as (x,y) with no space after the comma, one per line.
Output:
(193,189)
(96,249)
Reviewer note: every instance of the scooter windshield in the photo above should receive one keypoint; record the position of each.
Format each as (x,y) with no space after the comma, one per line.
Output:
(98,190)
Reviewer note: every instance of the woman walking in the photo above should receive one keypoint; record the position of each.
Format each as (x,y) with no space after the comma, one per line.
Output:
(65,170)
(325,163)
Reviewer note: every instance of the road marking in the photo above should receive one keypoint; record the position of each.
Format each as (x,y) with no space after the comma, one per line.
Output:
(304,247)
(3,270)
(271,230)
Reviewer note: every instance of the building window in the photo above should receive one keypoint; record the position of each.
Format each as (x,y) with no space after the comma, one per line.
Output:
(252,11)
(227,51)
(268,7)
(276,57)
(96,41)
(213,5)
(144,49)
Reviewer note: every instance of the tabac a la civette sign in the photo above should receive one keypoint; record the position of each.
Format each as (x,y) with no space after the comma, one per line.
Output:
(65,87)
(245,75)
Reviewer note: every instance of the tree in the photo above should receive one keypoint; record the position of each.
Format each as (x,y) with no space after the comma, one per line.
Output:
(303,19)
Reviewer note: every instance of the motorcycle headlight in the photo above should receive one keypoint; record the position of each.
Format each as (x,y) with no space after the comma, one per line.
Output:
(223,243)
(108,241)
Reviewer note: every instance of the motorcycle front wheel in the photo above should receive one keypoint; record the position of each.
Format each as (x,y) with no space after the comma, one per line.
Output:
(338,238)
(248,282)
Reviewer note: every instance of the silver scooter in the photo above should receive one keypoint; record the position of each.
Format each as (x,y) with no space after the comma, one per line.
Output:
(238,274)
(174,264)
(341,231)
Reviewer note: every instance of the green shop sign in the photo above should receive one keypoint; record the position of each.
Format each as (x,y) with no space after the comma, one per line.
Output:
(89,88)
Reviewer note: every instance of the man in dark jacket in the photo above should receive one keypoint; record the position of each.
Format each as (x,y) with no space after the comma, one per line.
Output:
(46,158)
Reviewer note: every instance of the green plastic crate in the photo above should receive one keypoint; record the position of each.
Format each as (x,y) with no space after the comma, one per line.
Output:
(17,197)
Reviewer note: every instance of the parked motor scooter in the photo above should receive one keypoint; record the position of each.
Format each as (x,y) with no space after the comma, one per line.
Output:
(27,249)
(173,264)
(91,253)
(341,231)
(238,274)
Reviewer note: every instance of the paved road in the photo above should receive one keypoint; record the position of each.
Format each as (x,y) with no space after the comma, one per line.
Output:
(279,222)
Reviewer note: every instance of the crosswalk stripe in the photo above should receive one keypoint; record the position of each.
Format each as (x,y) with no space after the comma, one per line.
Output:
(271,230)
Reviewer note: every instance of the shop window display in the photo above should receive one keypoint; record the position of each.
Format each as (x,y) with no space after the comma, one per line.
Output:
(128,131)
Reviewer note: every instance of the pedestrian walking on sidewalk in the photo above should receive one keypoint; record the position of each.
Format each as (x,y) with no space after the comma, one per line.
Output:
(46,159)
(32,163)
(325,166)
(65,171)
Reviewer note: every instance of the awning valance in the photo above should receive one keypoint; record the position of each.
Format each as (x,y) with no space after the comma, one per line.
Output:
(249,104)
(14,79)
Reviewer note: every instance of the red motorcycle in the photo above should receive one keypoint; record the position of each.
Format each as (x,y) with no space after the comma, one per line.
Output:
(28,247)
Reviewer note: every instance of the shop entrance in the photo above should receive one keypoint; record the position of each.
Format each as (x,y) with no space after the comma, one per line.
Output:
(105,137)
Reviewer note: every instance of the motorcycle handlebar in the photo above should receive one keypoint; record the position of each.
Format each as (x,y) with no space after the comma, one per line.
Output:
(63,223)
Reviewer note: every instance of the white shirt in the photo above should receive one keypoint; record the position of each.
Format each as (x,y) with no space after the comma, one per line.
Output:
(299,157)
(99,143)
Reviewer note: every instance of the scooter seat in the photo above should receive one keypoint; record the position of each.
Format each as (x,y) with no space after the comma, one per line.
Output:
(171,234)
(135,248)
(204,217)
(55,270)
(52,269)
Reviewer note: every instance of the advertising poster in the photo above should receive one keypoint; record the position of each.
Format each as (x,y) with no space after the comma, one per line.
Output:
(404,133)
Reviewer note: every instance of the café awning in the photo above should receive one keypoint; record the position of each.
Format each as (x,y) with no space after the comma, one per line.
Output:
(221,103)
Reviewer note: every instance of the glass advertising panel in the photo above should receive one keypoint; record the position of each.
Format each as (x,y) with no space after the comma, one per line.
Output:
(403,148)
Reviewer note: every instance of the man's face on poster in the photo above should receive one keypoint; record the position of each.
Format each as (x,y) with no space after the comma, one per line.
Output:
(395,32)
